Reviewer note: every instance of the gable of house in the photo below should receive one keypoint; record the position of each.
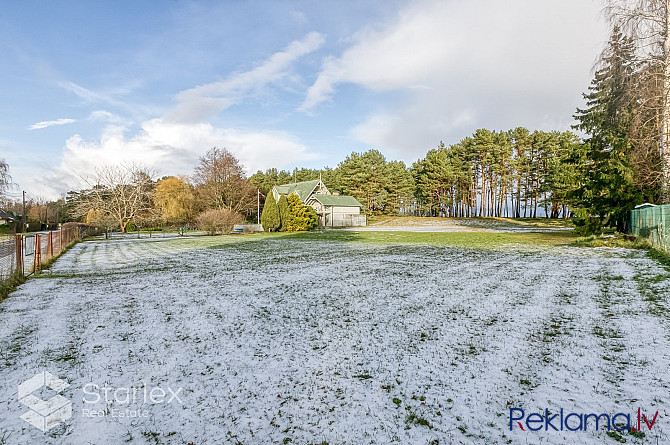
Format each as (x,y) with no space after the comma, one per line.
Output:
(303,189)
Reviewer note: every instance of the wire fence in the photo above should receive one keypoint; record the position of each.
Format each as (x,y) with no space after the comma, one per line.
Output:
(652,222)
(25,254)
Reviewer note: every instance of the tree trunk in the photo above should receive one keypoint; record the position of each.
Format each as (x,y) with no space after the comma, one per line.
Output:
(665,114)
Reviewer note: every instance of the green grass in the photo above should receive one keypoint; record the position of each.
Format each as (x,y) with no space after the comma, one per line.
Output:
(536,222)
(473,240)
(475,222)
(476,240)
(414,419)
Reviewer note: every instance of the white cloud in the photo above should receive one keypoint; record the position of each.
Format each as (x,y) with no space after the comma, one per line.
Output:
(460,65)
(45,124)
(172,148)
(173,143)
(199,103)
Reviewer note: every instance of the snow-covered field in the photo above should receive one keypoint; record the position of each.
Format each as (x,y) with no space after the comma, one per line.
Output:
(283,340)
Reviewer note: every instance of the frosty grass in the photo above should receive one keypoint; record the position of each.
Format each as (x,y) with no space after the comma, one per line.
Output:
(276,340)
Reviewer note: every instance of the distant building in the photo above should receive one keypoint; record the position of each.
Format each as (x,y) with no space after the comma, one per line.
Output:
(645,205)
(6,218)
(333,210)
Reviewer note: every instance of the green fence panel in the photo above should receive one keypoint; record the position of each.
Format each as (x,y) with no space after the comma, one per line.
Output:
(652,223)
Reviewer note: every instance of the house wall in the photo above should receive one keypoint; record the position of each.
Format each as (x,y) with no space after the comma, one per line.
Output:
(347,220)
(342,217)
(349,210)
(338,216)
(316,205)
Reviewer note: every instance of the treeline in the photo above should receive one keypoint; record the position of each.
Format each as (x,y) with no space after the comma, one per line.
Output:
(126,197)
(492,173)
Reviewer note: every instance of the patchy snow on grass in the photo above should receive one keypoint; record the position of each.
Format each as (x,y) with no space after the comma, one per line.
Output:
(281,340)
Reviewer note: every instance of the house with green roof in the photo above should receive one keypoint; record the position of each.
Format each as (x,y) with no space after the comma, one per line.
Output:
(303,189)
(333,210)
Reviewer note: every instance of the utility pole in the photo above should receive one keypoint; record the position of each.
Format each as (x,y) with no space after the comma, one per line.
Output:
(23,216)
(258,206)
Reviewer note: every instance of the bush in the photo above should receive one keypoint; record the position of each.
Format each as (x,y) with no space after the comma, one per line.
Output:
(283,212)
(585,224)
(301,217)
(270,216)
(218,220)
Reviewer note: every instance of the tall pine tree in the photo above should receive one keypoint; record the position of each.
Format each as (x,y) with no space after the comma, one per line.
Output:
(608,190)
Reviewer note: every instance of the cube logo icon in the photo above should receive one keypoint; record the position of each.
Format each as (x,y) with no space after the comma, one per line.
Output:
(44,414)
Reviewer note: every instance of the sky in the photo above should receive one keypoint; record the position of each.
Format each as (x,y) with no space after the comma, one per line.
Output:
(278,83)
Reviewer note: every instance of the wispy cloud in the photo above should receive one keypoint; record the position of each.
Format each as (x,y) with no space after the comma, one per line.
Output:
(86,94)
(115,97)
(199,103)
(104,116)
(45,124)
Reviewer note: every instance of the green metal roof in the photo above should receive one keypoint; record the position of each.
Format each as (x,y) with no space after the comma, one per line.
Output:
(302,189)
(337,200)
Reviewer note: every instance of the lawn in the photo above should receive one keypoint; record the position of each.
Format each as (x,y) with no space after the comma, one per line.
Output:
(341,337)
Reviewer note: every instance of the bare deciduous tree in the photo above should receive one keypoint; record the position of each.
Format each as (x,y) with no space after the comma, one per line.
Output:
(5,179)
(647,23)
(221,183)
(121,192)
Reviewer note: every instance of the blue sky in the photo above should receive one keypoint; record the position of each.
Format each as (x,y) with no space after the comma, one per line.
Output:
(279,83)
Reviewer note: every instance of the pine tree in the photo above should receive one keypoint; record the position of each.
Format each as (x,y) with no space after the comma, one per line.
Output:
(400,187)
(365,176)
(608,190)
(270,217)
(283,213)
